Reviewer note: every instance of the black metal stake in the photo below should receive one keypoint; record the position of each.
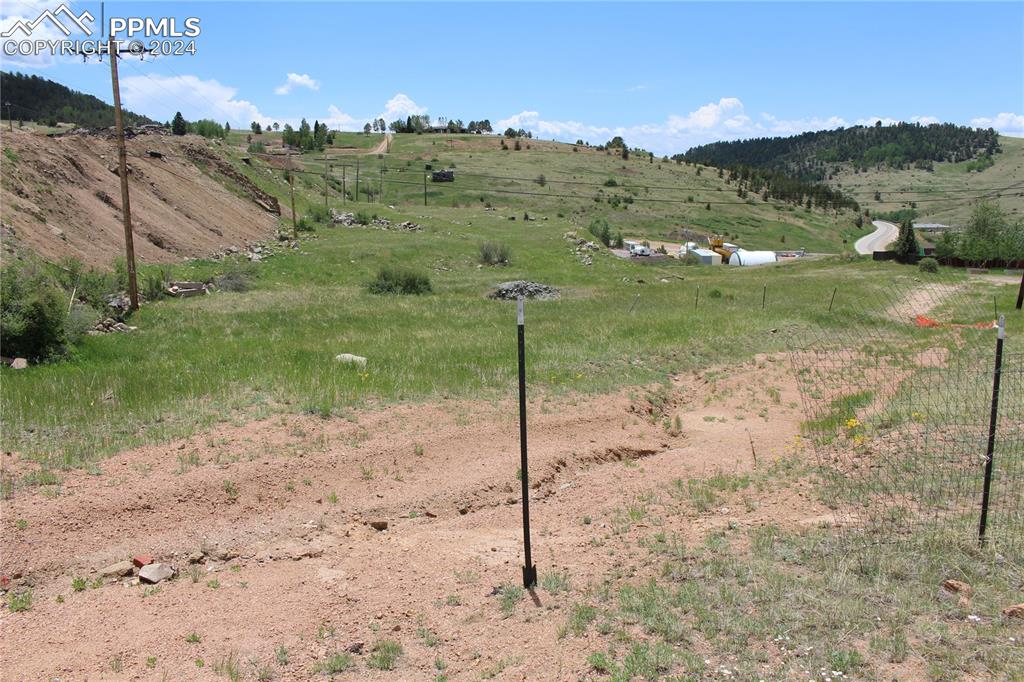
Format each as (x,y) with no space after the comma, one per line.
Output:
(833,299)
(764,295)
(696,299)
(529,569)
(992,424)
(1020,292)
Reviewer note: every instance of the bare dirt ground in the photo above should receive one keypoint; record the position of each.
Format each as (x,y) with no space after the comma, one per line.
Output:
(280,509)
(62,197)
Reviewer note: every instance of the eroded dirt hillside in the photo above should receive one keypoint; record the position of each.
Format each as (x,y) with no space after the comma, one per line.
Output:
(61,197)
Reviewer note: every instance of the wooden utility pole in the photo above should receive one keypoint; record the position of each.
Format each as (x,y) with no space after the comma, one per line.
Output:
(344,190)
(380,186)
(122,159)
(291,182)
(357,180)
(10,121)
(424,188)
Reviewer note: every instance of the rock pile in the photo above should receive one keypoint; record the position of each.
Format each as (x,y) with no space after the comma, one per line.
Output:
(255,252)
(349,220)
(109,325)
(581,247)
(510,291)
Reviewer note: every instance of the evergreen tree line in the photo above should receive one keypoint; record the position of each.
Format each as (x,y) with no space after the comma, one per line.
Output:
(33,98)
(306,138)
(808,155)
(421,124)
(204,126)
(775,184)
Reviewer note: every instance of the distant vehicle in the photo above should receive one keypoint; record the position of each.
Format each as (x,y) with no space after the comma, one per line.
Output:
(639,250)
(443,176)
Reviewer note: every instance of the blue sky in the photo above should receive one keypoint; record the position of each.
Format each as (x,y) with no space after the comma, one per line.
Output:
(663,75)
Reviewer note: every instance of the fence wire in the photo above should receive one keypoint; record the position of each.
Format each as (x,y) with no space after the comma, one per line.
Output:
(898,402)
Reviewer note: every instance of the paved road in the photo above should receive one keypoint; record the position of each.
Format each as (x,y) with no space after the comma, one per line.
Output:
(884,234)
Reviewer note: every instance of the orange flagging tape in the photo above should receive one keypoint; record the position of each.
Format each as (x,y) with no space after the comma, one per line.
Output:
(922,321)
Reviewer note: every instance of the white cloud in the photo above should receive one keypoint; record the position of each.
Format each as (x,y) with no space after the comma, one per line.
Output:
(1006,123)
(294,80)
(400,106)
(159,96)
(338,119)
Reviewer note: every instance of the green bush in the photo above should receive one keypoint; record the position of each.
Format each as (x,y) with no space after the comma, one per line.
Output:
(33,314)
(928,265)
(363,218)
(81,319)
(153,287)
(393,280)
(319,213)
(494,253)
(599,228)
(690,259)
(305,224)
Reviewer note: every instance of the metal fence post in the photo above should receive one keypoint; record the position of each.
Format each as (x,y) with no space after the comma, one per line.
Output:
(529,569)
(992,425)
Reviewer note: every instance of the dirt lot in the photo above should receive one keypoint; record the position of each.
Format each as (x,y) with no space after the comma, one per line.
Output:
(61,197)
(279,510)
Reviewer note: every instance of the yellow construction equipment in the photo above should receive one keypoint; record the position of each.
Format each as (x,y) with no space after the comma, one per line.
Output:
(717,244)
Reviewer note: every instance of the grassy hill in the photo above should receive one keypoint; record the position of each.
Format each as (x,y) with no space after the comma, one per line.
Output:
(660,199)
(945,194)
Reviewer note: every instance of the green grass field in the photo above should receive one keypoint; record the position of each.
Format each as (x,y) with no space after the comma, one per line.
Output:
(272,348)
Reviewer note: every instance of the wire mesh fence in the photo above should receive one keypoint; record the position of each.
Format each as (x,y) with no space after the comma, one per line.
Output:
(899,409)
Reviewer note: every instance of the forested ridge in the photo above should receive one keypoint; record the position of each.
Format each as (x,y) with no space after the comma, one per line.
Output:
(33,98)
(812,156)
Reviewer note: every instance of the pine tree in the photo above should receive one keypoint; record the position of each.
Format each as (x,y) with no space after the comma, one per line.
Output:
(906,244)
(178,126)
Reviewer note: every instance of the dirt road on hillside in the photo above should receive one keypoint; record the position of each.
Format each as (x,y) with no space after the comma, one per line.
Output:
(268,525)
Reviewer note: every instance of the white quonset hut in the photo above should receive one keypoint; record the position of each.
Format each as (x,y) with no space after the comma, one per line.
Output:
(744,257)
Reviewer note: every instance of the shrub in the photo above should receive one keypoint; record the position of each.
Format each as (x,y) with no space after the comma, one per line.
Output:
(81,319)
(305,224)
(599,228)
(393,280)
(494,253)
(33,314)
(257,148)
(363,218)
(618,242)
(236,278)
(929,265)
(153,287)
(319,213)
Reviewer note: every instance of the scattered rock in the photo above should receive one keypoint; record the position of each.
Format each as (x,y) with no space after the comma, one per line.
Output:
(379,525)
(350,359)
(141,560)
(196,557)
(118,570)
(19,363)
(154,573)
(109,325)
(186,289)
(1015,611)
(956,589)
(510,291)
(355,648)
